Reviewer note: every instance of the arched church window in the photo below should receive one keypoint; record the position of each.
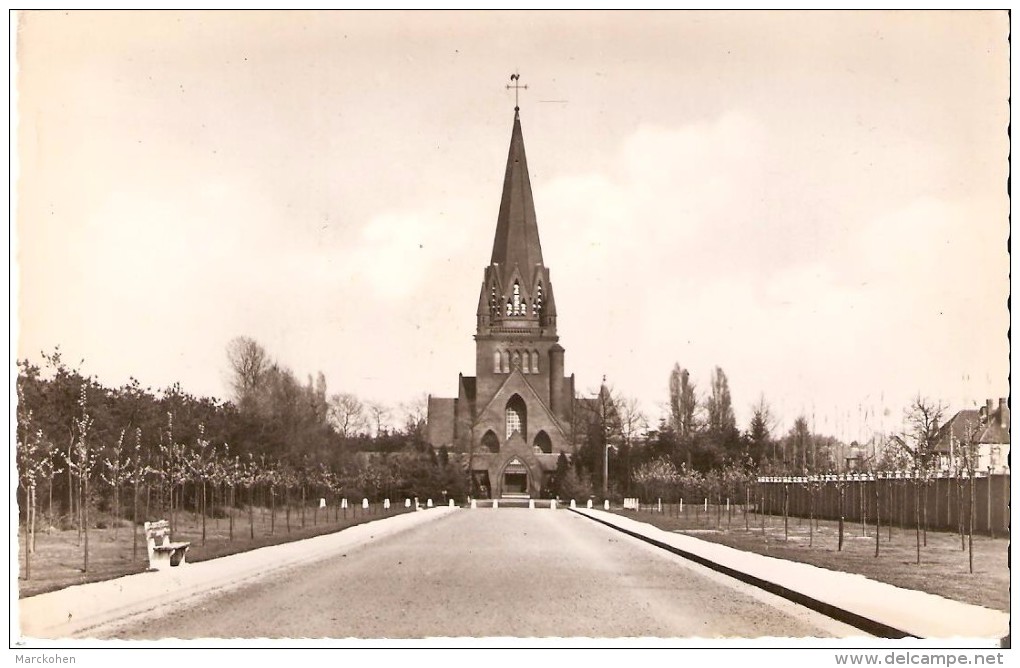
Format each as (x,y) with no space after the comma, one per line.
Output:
(490,442)
(536,305)
(534,361)
(516,361)
(516,417)
(517,298)
(506,361)
(497,363)
(509,308)
(493,301)
(543,443)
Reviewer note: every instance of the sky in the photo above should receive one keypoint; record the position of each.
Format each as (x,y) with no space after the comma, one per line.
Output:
(814,202)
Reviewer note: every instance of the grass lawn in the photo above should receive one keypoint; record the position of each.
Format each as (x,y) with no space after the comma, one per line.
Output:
(943,569)
(58,561)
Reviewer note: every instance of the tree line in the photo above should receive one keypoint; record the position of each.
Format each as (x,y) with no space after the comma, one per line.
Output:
(90,454)
(132,450)
(697,443)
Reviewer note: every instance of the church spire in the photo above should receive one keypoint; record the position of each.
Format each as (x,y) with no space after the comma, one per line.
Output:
(516,244)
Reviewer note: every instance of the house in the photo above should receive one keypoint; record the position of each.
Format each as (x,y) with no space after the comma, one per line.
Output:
(986,429)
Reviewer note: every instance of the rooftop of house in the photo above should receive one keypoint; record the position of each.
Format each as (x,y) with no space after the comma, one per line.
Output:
(987,424)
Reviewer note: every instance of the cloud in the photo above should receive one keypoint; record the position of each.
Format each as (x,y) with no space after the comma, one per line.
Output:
(676,256)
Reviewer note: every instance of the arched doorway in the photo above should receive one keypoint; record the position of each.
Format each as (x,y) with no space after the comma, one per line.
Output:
(515,478)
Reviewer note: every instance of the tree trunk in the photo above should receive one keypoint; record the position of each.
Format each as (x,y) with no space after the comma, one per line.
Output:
(936,495)
(811,517)
(786,512)
(251,513)
(85,522)
(959,513)
(78,520)
(28,554)
(747,505)
(70,483)
(32,510)
(891,507)
(991,527)
(49,507)
(134,523)
(761,511)
(924,516)
(864,510)
(917,518)
(170,509)
(970,527)
(230,513)
(842,498)
(272,510)
(878,517)
(204,509)
(302,506)
(116,511)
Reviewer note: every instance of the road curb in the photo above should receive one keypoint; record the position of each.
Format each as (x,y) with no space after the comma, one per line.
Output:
(83,611)
(866,624)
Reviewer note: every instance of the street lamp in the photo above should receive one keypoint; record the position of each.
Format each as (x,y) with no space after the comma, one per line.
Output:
(605,473)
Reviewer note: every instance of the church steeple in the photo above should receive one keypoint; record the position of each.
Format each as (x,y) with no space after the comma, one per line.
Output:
(516,291)
(515,416)
(516,245)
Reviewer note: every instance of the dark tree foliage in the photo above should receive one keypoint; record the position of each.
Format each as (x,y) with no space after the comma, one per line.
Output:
(275,421)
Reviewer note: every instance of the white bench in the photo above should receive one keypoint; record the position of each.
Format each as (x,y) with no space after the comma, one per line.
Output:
(162,553)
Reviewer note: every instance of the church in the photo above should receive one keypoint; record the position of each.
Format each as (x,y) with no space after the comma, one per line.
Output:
(515,415)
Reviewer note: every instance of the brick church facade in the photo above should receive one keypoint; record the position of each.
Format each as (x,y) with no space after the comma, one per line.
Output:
(513,417)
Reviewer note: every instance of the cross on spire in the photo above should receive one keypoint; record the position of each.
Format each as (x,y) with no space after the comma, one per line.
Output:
(516,78)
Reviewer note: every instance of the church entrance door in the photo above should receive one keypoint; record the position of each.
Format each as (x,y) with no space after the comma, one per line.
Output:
(515,478)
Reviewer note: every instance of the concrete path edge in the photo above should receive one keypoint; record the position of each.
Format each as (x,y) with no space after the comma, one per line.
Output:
(868,623)
(81,611)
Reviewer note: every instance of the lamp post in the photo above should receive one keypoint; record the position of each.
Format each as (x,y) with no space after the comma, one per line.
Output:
(605,470)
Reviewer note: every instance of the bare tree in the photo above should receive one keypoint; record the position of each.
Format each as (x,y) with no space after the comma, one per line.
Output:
(920,440)
(415,415)
(248,365)
(633,423)
(632,420)
(799,438)
(380,415)
(346,414)
(920,443)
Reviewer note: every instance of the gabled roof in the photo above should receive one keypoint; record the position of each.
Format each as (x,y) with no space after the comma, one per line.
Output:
(968,425)
(516,243)
(516,375)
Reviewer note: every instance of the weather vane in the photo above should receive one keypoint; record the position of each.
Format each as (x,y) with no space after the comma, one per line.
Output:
(515,77)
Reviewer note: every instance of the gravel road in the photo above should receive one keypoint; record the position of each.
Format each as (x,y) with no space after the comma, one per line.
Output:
(492,573)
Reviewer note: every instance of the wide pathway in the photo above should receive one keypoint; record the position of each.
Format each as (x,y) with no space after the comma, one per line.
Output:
(493,573)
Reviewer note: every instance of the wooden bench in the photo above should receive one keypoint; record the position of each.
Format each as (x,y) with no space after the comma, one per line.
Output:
(162,553)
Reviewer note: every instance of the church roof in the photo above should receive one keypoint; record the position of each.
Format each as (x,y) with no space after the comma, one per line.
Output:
(516,242)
